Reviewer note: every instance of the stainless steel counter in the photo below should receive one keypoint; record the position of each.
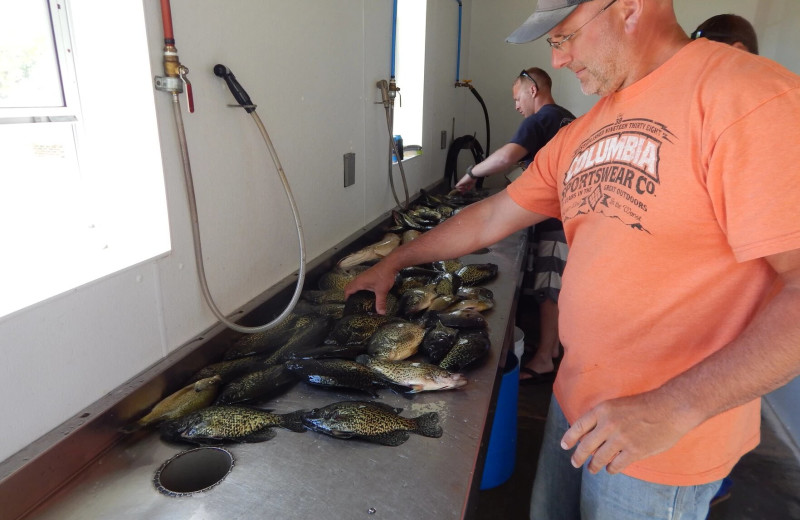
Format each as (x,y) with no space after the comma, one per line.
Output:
(310,475)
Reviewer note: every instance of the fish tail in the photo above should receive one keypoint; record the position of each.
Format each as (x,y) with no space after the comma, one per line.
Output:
(132,427)
(428,425)
(294,421)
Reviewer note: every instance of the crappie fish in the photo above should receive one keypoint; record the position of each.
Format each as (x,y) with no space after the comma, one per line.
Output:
(337,373)
(445,211)
(396,340)
(232,368)
(417,300)
(476,274)
(259,385)
(338,278)
(406,283)
(374,422)
(403,219)
(470,347)
(323,296)
(446,284)
(372,252)
(429,199)
(477,304)
(418,376)
(333,310)
(311,332)
(356,329)
(448,266)
(463,319)
(438,341)
(330,352)
(266,341)
(363,302)
(475,293)
(425,216)
(217,424)
(409,235)
(441,303)
(178,404)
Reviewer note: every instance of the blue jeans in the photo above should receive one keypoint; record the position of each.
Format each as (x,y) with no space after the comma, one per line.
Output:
(563,492)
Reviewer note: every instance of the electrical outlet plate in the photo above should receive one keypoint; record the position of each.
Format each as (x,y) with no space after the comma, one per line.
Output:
(349,169)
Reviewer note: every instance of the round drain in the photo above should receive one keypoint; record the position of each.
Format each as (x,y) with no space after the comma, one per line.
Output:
(193,471)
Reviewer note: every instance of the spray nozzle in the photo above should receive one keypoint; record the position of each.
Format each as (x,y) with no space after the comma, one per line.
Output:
(236,89)
(383,85)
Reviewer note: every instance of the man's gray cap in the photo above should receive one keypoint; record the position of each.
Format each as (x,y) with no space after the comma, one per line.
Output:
(547,15)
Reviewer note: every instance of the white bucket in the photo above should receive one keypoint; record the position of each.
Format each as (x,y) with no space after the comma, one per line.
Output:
(519,342)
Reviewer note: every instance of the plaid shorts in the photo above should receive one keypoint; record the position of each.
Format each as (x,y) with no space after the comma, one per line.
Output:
(551,258)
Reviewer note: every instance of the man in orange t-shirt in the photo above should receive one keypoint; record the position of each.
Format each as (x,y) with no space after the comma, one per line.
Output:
(680,305)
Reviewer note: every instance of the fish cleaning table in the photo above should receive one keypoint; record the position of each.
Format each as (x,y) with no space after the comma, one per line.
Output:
(310,475)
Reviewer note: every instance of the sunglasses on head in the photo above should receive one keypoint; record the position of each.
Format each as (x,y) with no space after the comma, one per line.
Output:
(524,74)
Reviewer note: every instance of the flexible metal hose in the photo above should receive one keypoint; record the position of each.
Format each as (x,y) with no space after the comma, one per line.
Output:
(393,149)
(198,249)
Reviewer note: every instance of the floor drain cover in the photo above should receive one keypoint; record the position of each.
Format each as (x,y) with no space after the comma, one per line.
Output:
(193,471)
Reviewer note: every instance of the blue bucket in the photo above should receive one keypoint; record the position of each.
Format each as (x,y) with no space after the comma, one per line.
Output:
(502,451)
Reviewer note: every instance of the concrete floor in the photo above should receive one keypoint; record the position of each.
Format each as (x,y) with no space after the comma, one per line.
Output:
(766,482)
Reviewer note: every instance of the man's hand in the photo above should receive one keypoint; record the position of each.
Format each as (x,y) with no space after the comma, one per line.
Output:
(379,279)
(618,432)
(467,182)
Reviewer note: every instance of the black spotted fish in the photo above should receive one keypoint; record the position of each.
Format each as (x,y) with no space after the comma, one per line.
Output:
(338,373)
(416,375)
(374,422)
(218,424)
(178,404)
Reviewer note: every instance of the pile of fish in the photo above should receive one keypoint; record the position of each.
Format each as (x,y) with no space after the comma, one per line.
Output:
(433,330)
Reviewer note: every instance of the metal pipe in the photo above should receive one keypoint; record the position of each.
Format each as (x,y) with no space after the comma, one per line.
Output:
(394,37)
(458,52)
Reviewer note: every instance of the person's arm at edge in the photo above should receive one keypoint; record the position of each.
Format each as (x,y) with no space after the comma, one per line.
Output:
(502,160)
(764,357)
(478,225)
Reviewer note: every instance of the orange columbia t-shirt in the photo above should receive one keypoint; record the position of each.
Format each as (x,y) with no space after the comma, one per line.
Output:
(671,192)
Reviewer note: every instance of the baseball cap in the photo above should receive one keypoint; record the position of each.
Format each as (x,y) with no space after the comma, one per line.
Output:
(547,15)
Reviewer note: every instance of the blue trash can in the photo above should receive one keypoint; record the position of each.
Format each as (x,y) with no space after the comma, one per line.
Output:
(502,451)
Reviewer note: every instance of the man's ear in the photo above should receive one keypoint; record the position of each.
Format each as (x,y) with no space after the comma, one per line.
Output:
(632,12)
(740,45)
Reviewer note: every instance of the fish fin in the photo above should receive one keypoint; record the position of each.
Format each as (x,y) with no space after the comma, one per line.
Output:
(132,427)
(339,434)
(395,438)
(259,436)
(294,421)
(428,425)
(402,390)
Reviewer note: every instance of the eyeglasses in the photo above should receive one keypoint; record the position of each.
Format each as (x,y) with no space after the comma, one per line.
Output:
(524,74)
(557,44)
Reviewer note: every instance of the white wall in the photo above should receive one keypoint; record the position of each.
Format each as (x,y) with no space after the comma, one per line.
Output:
(311,68)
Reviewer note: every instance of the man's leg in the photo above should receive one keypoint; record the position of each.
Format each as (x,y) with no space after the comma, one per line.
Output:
(620,497)
(547,349)
(557,485)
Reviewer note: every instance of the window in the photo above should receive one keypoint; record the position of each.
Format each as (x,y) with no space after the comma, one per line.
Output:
(81,184)
(410,70)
